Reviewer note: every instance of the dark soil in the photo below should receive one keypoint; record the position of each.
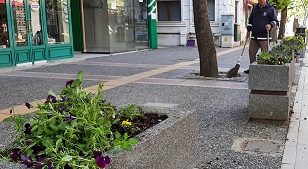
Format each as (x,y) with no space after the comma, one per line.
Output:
(140,124)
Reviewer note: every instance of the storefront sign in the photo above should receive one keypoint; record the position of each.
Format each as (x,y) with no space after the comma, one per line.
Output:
(35,6)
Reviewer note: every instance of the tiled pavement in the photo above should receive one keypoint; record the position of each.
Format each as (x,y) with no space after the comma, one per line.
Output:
(296,147)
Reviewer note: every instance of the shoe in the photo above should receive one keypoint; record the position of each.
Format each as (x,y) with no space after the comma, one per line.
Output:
(246,71)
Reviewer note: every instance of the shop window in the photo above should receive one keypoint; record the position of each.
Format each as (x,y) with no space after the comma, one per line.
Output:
(20,26)
(211,8)
(4,38)
(57,22)
(169,10)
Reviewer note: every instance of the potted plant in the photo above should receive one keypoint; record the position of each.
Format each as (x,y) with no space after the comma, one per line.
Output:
(295,43)
(270,81)
(191,39)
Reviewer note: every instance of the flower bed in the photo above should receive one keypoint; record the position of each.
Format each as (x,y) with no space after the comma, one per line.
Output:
(78,129)
(171,144)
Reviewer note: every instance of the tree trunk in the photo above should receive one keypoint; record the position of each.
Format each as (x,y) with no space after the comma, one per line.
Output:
(205,41)
(282,24)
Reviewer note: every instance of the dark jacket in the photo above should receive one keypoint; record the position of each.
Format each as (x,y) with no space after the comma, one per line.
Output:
(259,18)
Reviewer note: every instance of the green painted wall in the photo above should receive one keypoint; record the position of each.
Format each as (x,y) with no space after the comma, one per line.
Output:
(77,25)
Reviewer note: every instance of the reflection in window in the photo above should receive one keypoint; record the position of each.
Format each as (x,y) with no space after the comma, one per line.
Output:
(4,36)
(20,26)
(57,21)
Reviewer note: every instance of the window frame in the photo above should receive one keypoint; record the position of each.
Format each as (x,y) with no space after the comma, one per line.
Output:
(169,10)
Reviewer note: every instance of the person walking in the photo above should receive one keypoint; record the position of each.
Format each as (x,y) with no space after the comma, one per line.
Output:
(261,20)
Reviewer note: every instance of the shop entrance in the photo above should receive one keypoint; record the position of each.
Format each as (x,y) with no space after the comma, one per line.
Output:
(27,34)
(33,31)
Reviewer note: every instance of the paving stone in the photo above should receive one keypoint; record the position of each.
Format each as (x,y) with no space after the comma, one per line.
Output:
(261,146)
(301,165)
(302,154)
(303,125)
(292,138)
(287,166)
(164,105)
(302,138)
(289,155)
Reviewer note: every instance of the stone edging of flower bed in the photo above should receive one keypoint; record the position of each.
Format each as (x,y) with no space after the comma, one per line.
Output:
(170,144)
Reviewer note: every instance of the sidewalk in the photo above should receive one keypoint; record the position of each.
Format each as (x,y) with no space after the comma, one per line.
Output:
(156,78)
(296,146)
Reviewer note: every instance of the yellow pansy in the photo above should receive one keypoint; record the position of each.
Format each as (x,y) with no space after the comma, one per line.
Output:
(126,123)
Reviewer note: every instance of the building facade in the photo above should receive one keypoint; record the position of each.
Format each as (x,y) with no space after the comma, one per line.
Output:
(33,31)
(176,21)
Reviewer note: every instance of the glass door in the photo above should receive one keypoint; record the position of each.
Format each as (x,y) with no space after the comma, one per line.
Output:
(35,27)
(27,30)
(118,26)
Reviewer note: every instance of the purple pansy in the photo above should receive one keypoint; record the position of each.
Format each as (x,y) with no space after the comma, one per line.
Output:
(27,161)
(29,143)
(51,98)
(65,99)
(37,149)
(69,118)
(97,154)
(28,128)
(63,108)
(28,105)
(39,163)
(101,161)
(49,164)
(16,153)
(68,83)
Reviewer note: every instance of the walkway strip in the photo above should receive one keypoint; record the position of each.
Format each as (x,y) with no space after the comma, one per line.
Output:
(22,109)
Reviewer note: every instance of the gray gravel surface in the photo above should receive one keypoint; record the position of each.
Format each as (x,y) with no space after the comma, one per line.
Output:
(229,60)
(90,70)
(19,90)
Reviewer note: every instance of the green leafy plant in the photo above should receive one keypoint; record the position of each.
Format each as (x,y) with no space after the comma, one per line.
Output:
(286,48)
(273,59)
(294,43)
(72,130)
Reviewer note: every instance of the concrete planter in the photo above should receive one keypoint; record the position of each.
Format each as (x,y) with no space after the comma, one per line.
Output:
(270,91)
(269,107)
(171,144)
(271,77)
(302,52)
